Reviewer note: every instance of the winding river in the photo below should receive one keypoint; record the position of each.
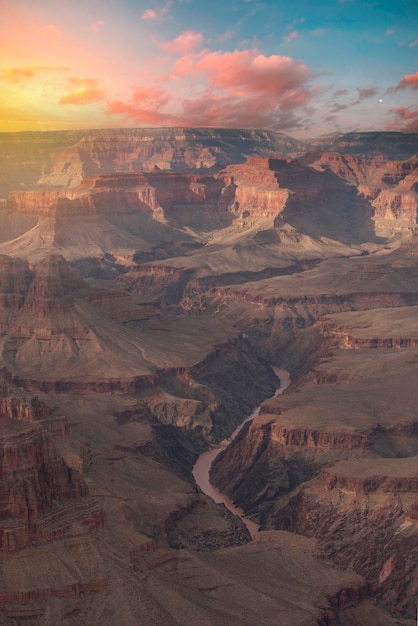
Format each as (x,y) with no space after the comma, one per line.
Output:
(203,464)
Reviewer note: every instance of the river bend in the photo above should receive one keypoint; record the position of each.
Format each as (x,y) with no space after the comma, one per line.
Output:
(203,464)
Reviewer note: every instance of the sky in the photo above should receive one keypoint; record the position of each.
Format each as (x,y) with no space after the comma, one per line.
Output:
(293,66)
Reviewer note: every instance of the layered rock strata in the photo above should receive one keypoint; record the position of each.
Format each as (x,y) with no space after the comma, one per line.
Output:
(347,507)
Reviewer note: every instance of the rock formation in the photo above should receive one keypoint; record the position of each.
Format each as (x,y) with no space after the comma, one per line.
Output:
(149,279)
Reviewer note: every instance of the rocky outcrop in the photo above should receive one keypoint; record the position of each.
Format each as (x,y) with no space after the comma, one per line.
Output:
(348,508)
(129,216)
(268,460)
(396,209)
(179,522)
(41,498)
(15,404)
(390,185)
(254,188)
(370,173)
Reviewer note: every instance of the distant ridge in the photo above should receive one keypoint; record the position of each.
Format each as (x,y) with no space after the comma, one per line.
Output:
(65,158)
(392,145)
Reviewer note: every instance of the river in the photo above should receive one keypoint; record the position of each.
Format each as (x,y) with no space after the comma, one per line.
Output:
(203,464)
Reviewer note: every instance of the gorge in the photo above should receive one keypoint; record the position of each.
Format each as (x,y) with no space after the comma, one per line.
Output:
(202,467)
(151,283)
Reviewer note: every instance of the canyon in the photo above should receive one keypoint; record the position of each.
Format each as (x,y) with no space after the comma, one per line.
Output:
(151,280)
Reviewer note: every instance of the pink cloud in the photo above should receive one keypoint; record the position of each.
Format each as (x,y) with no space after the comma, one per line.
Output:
(96,26)
(157,14)
(410,80)
(245,72)
(341,92)
(187,42)
(150,95)
(217,110)
(144,106)
(149,14)
(141,115)
(413,43)
(84,91)
(232,89)
(290,37)
(405,119)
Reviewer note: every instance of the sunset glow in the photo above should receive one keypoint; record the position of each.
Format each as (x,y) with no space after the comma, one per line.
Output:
(344,65)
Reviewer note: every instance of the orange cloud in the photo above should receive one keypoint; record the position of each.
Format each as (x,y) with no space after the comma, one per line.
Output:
(403,114)
(187,42)
(26,72)
(85,91)
(410,80)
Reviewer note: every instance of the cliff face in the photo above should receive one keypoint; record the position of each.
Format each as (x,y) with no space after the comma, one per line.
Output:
(268,460)
(347,507)
(52,324)
(41,498)
(391,186)
(15,278)
(65,158)
(334,457)
(254,188)
(396,209)
(144,216)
